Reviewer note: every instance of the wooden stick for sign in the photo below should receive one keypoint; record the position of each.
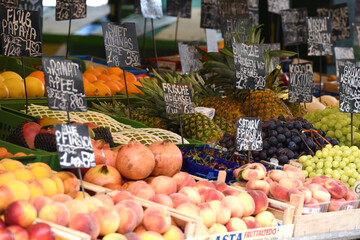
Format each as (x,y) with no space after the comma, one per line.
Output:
(127,92)
(352,132)
(26,95)
(298,53)
(320,89)
(68,116)
(176,31)
(154,44)
(249,102)
(81,182)
(68,38)
(299,109)
(181,131)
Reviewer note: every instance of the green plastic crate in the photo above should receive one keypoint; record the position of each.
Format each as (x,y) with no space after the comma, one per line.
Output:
(9,120)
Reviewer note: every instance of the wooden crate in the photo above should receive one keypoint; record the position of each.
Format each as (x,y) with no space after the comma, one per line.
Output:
(65,233)
(193,225)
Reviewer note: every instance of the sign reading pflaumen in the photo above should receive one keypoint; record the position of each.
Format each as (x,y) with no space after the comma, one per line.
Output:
(301,83)
(339,16)
(319,36)
(209,14)
(64,85)
(293,23)
(181,8)
(178,98)
(349,89)
(248,134)
(249,66)
(275,6)
(77,8)
(74,146)
(121,44)
(20,33)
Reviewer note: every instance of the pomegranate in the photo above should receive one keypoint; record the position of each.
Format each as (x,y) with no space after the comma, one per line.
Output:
(98,151)
(168,158)
(103,174)
(135,161)
(110,155)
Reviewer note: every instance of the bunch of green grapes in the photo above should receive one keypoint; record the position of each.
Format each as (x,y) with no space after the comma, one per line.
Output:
(338,162)
(336,125)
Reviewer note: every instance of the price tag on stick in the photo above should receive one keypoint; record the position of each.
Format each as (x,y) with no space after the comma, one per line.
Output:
(301,83)
(343,56)
(339,16)
(70,9)
(209,14)
(357,188)
(64,85)
(293,23)
(151,8)
(178,98)
(189,57)
(233,9)
(248,134)
(275,6)
(319,36)
(9,3)
(178,8)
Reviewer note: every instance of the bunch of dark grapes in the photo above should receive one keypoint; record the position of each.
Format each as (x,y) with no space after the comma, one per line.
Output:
(228,141)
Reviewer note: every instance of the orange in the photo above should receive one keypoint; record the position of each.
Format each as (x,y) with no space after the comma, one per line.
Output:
(114,77)
(104,77)
(102,70)
(85,79)
(93,71)
(19,154)
(90,77)
(3,152)
(39,75)
(115,71)
(104,90)
(114,87)
(90,89)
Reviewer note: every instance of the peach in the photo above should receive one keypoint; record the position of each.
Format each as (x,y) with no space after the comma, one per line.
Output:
(258,185)
(128,218)
(294,172)
(132,236)
(183,179)
(40,231)
(319,192)
(18,232)
(61,198)
(142,189)
(162,199)
(136,207)
(40,170)
(350,196)
(320,179)
(127,185)
(217,228)
(105,199)
(108,219)
(59,184)
(75,206)
(156,219)
(266,219)
(70,182)
(114,236)
(235,224)
(220,186)
(49,186)
(92,203)
(223,214)
(260,199)
(187,208)
(114,186)
(56,213)
(11,164)
(251,222)
(279,192)
(204,183)
(35,188)
(336,188)
(165,185)
(23,174)
(19,189)
(150,235)
(208,214)
(235,205)
(86,223)
(302,191)
(174,233)
(276,175)
(248,203)
(250,171)
(231,192)
(192,193)
(6,176)
(336,204)
(40,201)
(268,180)
(20,213)
(6,234)
(81,195)
(210,194)
(6,197)
(140,229)
(121,195)
(178,199)
(290,183)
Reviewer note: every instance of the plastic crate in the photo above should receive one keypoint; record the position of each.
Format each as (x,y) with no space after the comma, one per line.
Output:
(346,205)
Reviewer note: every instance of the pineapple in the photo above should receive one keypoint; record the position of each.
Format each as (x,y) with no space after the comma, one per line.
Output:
(142,116)
(200,127)
(225,125)
(294,108)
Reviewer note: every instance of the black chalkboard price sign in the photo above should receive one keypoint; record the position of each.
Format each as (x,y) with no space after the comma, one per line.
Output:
(293,23)
(189,57)
(64,85)
(339,16)
(301,82)
(181,8)
(275,6)
(234,29)
(20,33)
(33,5)
(74,146)
(319,39)
(249,66)
(121,44)
(209,14)
(178,98)
(248,134)
(341,63)
(233,9)
(349,89)
(151,8)
(9,3)
(70,9)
